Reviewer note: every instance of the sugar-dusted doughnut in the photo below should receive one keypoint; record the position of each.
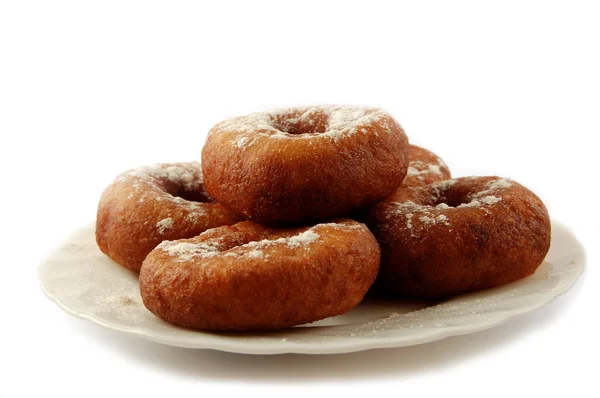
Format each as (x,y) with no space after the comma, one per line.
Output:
(304,164)
(249,276)
(458,236)
(145,206)
(424,167)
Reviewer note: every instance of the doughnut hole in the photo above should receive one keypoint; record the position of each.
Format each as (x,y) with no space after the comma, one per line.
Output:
(454,196)
(194,196)
(454,201)
(302,123)
(180,191)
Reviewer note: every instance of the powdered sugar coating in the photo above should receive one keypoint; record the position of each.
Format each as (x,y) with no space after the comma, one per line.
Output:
(418,168)
(428,220)
(184,250)
(164,224)
(477,199)
(483,198)
(255,254)
(425,167)
(333,122)
(150,183)
(500,183)
(487,200)
(251,276)
(302,239)
(305,165)
(464,235)
(150,204)
(176,173)
(434,211)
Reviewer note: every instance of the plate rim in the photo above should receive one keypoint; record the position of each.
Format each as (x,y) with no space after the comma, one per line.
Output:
(346,345)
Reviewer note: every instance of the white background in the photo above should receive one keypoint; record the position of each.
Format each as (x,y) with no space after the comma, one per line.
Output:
(89,89)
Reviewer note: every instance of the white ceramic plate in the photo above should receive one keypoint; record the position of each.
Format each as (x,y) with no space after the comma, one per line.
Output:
(86,283)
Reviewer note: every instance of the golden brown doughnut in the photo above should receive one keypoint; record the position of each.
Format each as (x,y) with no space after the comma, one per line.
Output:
(248,276)
(458,236)
(304,164)
(145,206)
(424,167)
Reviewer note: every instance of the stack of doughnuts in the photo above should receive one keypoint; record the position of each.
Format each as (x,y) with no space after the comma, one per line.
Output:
(294,215)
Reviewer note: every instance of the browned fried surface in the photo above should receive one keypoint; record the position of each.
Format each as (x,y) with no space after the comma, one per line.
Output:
(494,231)
(424,167)
(143,207)
(296,167)
(249,276)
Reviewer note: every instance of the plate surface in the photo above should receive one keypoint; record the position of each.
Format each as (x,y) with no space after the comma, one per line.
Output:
(86,283)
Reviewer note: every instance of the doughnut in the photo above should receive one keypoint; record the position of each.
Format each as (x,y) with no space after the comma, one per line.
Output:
(252,277)
(145,206)
(424,168)
(304,164)
(458,236)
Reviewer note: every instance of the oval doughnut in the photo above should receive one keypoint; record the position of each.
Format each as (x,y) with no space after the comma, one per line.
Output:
(304,164)
(248,276)
(144,206)
(424,168)
(458,236)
